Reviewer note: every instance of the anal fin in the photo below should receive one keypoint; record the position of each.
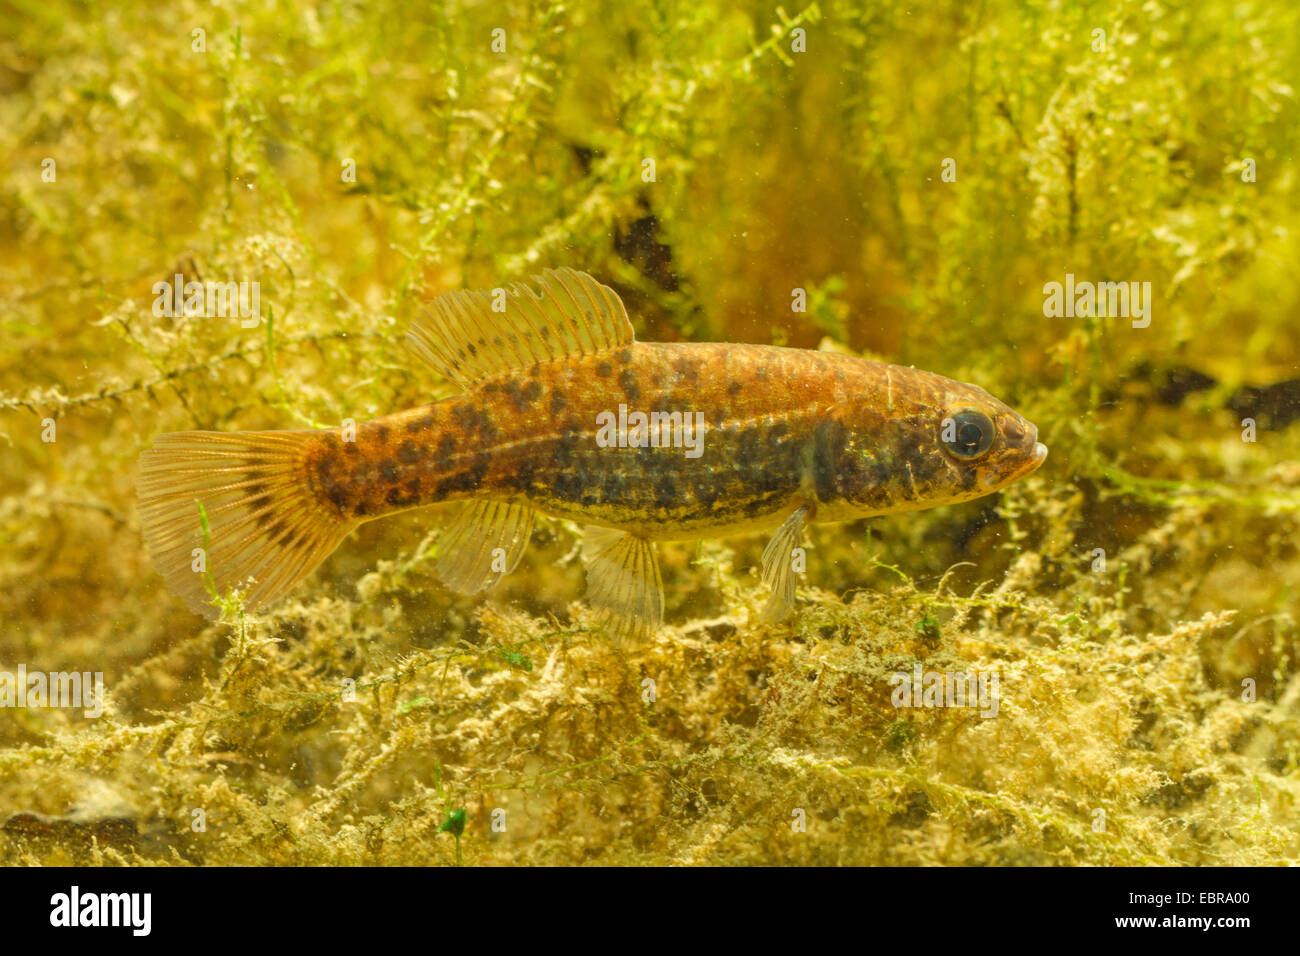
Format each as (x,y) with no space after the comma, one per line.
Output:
(623,581)
(483,545)
(778,564)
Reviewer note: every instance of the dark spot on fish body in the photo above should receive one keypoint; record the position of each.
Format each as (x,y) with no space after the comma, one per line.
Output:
(772,476)
(467,481)
(750,475)
(330,485)
(612,486)
(747,446)
(627,381)
(665,492)
(424,423)
(707,488)
(472,418)
(922,464)
(862,473)
(532,390)
(408,453)
(558,403)
(388,471)
(405,495)
(524,475)
(604,369)
(876,483)
(330,441)
(514,394)
(445,449)
(797,460)
(491,388)
(734,389)
(756,505)
(336,494)
(828,444)
(570,438)
(687,371)
(381,432)
(349,448)
(568,485)
(625,356)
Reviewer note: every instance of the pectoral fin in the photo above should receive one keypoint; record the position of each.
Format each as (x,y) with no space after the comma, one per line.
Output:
(778,564)
(483,545)
(623,581)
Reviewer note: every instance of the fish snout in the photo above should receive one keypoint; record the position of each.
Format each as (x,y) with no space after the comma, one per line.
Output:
(1022,452)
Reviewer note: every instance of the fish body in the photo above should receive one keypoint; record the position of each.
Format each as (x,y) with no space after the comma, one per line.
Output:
(564,414)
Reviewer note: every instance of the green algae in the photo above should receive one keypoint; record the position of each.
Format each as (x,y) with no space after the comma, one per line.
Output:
(1148,710)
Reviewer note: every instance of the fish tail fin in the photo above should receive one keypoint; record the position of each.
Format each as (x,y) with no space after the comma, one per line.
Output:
(220,510)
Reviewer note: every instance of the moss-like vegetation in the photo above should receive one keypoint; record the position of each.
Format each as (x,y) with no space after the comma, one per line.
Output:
(353,722)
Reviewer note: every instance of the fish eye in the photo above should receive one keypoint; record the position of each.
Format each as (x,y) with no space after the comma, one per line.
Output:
(967,433)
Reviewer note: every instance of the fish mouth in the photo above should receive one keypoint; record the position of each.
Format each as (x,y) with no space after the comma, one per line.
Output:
(1040,454)
(1001,479)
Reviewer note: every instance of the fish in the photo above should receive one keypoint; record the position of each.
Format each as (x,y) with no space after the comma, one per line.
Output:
(563,413)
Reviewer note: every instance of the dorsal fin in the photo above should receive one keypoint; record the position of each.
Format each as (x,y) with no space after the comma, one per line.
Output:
(463,338)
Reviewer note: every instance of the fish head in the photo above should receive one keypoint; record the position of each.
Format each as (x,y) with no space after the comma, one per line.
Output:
(988,443)
(935,441)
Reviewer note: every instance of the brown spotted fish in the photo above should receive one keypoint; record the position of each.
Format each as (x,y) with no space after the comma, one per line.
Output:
(563,413)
